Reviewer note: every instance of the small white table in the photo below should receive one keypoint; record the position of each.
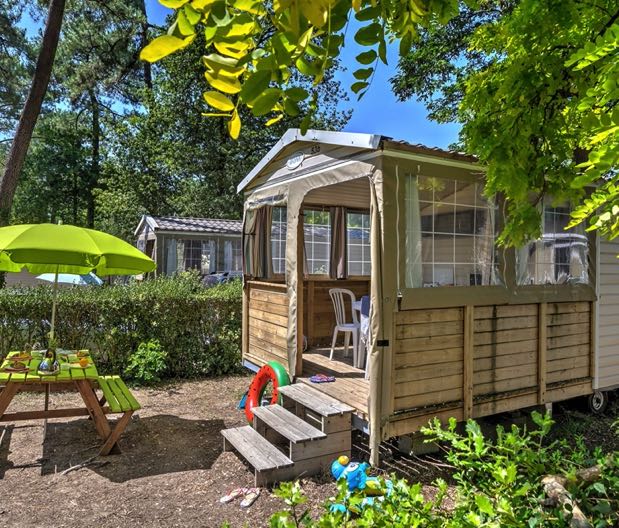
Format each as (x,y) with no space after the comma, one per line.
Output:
(364,333)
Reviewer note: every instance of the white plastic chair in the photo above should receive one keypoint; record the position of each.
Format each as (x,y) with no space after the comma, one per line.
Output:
(339,305)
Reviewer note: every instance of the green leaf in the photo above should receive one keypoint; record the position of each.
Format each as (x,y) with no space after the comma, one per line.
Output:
(296,94)
(484,504)
(173,4)
(222,82)
(274,120)
(314,11)
(382,51)
(315,51)
(291,107)
(192,15)
(363,74)
(305,123)
(406,43)
(217,62)
(184,26)
(358,86)
(599,487)
(307,67)
(367,57)
(163,46)
(368,35)
(266,101)
(254,85)
(220,14)
(236,50)
(369,13)
(219,101)
(251,6)
(234,125)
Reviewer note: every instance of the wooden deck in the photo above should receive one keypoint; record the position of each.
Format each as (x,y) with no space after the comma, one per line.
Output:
(350,385)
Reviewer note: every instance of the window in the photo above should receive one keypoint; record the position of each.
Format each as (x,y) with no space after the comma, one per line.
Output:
(209,256)
(200,255)
(559,256)
(358,243)
(193,254)
(278,240)
(233,258)
(171,255)
(450,234)
(317,230)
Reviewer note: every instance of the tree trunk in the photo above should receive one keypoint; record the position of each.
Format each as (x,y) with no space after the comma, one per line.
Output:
(31,110)
(148,78)
(93,179)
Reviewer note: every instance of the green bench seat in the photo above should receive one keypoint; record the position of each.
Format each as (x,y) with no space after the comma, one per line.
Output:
(117,394)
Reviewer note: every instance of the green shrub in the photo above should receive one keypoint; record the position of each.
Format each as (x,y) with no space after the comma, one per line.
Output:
(147,363)
(199,328)
(498,484)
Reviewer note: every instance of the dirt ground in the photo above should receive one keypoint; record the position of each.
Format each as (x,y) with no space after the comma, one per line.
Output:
(171,472)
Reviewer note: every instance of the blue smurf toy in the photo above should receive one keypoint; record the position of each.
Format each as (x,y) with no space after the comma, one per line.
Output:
(356,477)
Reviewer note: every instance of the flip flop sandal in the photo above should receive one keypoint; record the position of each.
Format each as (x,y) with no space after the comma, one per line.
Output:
(321,378)
(234,494)
(250,497)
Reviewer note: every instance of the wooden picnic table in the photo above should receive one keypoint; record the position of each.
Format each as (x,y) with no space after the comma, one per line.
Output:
(70,377)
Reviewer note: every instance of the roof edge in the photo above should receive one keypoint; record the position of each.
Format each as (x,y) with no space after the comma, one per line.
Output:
(360,140)
(148,219)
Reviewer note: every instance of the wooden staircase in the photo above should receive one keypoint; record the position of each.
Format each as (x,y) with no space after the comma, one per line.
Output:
(300,437)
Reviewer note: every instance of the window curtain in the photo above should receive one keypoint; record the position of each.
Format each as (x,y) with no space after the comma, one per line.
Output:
(256,243)
(338,257)
(209,257)
(228,255)
(413,277)
(485,258)
(171,258)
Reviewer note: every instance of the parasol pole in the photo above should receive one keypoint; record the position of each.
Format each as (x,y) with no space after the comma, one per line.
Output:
(51,337)
(55,295)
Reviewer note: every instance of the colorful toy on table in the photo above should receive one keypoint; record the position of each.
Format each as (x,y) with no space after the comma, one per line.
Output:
(357,479)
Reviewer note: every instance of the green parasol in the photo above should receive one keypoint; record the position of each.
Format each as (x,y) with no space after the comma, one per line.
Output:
(51,248)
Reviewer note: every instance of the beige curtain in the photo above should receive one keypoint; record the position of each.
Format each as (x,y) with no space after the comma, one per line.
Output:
(257,243)
(338,258)
(413,276)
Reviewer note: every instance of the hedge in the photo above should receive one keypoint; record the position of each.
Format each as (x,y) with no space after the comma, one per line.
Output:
(198,329)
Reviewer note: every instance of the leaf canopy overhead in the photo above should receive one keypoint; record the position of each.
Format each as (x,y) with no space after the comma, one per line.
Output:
(255,51)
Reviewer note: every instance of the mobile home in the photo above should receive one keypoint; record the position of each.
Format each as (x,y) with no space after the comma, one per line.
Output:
(458,327)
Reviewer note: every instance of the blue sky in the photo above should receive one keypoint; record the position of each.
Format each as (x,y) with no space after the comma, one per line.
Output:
(378,112)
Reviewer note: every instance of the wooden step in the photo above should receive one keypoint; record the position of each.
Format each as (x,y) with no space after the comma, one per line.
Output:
(315,400)
(287,424)
(256,449)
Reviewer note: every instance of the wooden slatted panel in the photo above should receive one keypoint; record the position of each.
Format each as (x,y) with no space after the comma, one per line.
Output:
(428,363)
(267,323)
(568,341)
(506,348)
